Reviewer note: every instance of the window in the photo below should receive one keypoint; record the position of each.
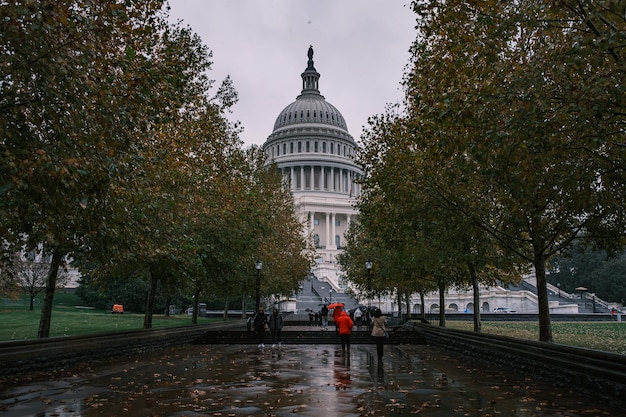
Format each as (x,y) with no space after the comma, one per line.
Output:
(315,146)
(299,146)
(337,222)
(332,147)
(316,222)
(316,240)
(291,147)
(284,148)
(337,241)
(308,146)
(324,147)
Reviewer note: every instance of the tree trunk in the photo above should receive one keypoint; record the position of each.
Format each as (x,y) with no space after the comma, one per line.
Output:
(150,302)
(475,287)
(545,328)
(423,310)
(196,297)
(442,304)
(399,300)
(51,283)
(243,308)
(32,302)
(226,310)
(167,307)
(407,299)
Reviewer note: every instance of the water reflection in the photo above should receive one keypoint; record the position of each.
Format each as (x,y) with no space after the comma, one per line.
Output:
(307,380)
(341,372)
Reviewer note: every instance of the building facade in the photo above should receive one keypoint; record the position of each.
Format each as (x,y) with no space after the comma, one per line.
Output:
(313,149)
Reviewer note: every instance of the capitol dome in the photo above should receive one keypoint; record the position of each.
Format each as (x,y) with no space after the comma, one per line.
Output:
(310,106)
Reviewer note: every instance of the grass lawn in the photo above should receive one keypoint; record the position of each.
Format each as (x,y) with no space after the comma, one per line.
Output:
(609,336)
(69,319)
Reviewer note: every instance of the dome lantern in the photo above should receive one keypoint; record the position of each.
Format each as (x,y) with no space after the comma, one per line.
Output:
(310,77)
(310,107)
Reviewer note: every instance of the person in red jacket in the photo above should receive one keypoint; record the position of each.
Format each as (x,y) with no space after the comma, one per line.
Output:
(344,324)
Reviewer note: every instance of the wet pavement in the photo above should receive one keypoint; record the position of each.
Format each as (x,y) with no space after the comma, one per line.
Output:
(295,380)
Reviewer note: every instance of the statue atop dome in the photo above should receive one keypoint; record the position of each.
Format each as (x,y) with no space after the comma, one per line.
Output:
(310,55)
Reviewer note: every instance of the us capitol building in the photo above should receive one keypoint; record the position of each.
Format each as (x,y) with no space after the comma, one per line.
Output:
(313,150)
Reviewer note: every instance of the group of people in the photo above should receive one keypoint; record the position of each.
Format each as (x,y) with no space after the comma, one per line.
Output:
(274,323)
(343,325)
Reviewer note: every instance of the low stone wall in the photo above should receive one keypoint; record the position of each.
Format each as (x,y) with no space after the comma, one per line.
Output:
(20,357)
(595,372)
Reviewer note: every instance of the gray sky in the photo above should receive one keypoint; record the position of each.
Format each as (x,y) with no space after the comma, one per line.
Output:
(361,48)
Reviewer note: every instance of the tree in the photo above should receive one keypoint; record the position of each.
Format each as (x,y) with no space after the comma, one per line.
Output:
(32,270)
(82,82)
(581,266)
(520,102)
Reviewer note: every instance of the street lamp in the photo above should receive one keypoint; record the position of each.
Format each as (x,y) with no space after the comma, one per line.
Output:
(368,267)
(258,265)
(330,295)
(558,285)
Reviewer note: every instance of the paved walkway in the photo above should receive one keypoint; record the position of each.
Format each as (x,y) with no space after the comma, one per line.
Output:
(295,380)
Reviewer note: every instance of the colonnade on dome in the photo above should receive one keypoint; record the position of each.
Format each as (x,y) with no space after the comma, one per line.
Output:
(321,178)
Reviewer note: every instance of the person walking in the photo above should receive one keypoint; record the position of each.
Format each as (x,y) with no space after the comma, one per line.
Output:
(324,314)
(276,327)
(379,332)
(260,326)
(357,317)
(344,326)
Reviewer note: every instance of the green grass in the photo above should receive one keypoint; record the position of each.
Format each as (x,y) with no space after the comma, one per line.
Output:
(607,336)
(68,319)
(18,323)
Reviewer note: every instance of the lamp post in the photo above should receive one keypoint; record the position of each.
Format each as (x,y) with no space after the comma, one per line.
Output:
(330,295)
(558,285)
(368,268)
(258,265)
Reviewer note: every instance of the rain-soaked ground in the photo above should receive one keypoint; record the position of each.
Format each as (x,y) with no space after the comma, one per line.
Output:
(296,380)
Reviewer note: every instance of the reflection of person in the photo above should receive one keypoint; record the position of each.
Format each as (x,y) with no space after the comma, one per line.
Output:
(379,331)
(344,324)
(276,327)
(260,325)
(324,314)
(341,372)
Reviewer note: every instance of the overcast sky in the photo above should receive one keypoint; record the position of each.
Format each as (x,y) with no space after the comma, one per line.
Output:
(361,49)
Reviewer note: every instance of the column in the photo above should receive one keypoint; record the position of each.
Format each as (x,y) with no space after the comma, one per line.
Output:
(341,180)
(334,230)
(328,230)
(301,177)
